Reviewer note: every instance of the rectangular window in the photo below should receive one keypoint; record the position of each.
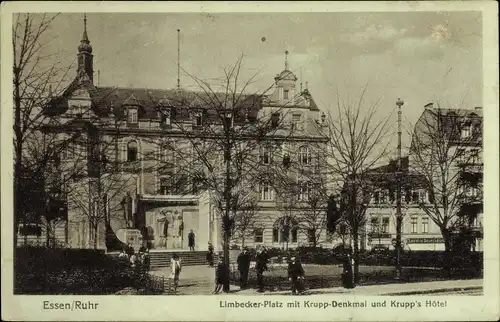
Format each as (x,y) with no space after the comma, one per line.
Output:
(276,234)
(265,155)
(304,190)
(132,115)
(295,232)
(385,224)
(198,118)
(285,94)
(474,157)
(165,117)
(415,196)
(311,235)
(266,192)
(228,120)
(466,131)
(166,185)
(414,225)
(425,225)
(461,155)
(258,235)
(296,118)
(374,224)
(275,120)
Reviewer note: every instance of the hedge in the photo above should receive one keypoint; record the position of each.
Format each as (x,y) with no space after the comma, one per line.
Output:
(432,259)
(41,270)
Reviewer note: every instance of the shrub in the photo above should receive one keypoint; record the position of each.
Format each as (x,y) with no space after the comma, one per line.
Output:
(74,271)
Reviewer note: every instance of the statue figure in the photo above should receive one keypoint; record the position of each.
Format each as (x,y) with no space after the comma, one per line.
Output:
(177,229)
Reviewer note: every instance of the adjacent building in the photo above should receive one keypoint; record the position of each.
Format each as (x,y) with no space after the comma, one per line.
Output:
(445,159)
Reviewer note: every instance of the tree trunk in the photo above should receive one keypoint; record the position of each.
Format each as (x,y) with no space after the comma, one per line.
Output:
(447,238)
(18,150)
(243,241)
(95,236)
(47,234)
(355,249)
(227,197)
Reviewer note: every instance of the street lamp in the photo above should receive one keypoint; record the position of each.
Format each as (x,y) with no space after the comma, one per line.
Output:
(399,215)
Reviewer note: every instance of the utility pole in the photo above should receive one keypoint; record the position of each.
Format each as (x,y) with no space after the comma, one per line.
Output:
(399,215)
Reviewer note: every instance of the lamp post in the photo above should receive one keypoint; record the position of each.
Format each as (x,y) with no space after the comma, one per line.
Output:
(399,215)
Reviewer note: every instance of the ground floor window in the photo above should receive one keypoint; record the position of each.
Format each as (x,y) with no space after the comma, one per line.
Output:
(258,235)
(311,235)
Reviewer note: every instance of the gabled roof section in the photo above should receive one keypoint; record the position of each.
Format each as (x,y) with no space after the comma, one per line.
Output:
(131,101)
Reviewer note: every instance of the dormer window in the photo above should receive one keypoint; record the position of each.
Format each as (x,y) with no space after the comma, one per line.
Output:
(286,94)
(466,130)
(132,115)
(228,120)
(166,117)
(198,118)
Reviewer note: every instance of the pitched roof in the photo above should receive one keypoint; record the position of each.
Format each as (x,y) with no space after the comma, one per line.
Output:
(107,100)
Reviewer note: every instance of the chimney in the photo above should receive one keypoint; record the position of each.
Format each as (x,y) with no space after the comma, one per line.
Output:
(429,106)
(478,108)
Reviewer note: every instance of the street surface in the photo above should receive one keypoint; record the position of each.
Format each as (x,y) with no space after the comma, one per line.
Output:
(199,280)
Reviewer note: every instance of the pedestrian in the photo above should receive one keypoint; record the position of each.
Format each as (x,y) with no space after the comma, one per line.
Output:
(210,255)
(296,275)
(130,250)
(347,274)
(221,275)
(175,265)
(243,262)
(133,260)
(123,254)
(260,267)
(191,237)
(146,261)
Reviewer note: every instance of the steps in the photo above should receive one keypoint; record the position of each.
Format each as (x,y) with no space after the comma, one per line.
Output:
(162,259)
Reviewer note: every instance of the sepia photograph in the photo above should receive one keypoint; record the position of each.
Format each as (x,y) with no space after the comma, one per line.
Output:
(238,154)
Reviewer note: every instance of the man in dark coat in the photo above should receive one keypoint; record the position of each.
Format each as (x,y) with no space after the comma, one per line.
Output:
(347,274)
(295,275)
(243,267)
(210,255)
(221,275)
(260,267)
(191,240)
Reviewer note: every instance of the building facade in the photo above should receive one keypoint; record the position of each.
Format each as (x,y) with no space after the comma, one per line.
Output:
(445,159)
(147,166)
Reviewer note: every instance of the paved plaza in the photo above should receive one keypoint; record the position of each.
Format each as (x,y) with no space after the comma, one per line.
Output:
(199,280)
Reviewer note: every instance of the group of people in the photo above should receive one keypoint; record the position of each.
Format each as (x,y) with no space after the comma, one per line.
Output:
(140,260)
(295,271)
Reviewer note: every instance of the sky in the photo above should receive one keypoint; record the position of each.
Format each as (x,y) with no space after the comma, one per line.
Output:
(420,57)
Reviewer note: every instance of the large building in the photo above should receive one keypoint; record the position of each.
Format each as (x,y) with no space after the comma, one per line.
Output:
(131,161)
(445,159)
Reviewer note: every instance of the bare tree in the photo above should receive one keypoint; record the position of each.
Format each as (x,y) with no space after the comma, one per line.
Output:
(245,221)
(445,154)
(358,142)
(220,129)
(312,215)
(36,73)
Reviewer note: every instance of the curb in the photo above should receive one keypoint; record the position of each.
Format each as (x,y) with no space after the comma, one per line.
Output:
(440,290)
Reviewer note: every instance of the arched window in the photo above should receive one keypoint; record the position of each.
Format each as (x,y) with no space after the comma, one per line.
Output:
(305,155)
(132,151)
